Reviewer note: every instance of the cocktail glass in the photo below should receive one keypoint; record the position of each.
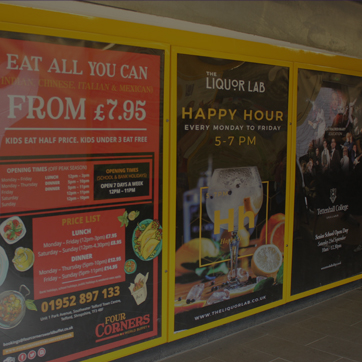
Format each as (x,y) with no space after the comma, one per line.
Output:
(233,191)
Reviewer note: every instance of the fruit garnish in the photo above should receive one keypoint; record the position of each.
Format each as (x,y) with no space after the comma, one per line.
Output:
(266,260)
(273,231)
(253,204)
(277,236)
(133,214)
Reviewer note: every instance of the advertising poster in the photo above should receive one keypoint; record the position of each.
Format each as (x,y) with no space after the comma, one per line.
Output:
(232,119)
(81,186)
(328,180)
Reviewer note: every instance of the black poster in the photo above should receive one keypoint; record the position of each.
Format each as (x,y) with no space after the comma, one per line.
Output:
(231,178)
(326,245)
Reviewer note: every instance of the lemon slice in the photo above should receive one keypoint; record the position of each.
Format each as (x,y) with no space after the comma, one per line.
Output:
(253,203)
(266,260)
(244,237)
(237,292)
(132,215)
(277,236)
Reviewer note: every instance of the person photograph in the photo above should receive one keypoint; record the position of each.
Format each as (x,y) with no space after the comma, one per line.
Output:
(325,157)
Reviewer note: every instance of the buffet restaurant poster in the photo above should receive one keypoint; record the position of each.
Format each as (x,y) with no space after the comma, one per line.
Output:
(231,181)
(80,222)
(326,245)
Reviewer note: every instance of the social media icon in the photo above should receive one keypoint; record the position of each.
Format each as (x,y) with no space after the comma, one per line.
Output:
(22,357)
(41,352)
(31,354)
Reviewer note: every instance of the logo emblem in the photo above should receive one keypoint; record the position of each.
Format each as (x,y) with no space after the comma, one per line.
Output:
(333,195)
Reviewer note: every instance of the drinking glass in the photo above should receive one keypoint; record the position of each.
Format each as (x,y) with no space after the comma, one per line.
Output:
(229,190)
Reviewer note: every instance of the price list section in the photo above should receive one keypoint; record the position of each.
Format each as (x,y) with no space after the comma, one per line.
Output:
(71,184)
(80,251)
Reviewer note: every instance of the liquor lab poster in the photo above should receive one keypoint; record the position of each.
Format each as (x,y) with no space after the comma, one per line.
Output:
(81,219)
(231,177)
(328,177)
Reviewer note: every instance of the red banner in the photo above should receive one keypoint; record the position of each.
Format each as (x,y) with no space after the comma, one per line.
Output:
(54,97)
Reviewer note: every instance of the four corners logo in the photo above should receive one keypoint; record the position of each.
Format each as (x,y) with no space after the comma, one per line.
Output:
(333,193)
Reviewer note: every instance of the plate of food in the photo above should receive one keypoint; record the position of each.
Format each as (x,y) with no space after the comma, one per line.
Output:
(12,230)
(23,259)
(4,265)
(138,289)
(12,308)
(130,266)
(147,239)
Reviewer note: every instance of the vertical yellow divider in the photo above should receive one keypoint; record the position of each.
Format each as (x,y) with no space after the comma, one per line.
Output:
(290,191)
(167,162)
(173,190)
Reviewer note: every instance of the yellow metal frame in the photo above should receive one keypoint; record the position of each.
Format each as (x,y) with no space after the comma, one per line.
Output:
(19,20)
(35,21)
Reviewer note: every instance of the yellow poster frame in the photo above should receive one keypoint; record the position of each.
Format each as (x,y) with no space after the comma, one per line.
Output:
(286,285)
(13,15)
(43,22)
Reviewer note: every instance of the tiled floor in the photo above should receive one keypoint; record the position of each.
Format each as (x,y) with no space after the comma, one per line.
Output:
(327,332)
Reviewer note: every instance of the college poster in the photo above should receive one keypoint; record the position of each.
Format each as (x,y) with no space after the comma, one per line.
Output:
(232,119)
(327,239)
(81,183)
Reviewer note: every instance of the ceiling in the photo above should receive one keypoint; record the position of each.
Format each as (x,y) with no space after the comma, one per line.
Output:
(329,25)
